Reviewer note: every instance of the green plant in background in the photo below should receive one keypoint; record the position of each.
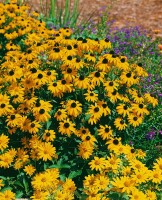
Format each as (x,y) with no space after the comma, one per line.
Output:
(61,15)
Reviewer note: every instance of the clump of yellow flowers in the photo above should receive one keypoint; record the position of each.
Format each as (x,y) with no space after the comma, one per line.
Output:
(63,104)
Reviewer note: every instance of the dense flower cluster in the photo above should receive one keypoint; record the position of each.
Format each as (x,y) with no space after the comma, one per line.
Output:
(55,88)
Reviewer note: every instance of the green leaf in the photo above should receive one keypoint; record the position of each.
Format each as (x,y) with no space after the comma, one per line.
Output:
(87,117)
(63,177)
(25,183)
(2,177)
(74,174)
(18,183)
(19,194)
(48,124)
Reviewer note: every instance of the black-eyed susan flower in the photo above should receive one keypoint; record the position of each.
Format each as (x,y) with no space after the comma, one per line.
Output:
(105,132)
(123,109)
(140,109)
(55,88)
(106,109)
(95,110)
(81,82)
(69,73)
(74,108)
(33,126)
(114,96)
(111,86)
(120,124)
(66,127)
(151,99)
(97,77)
(42,115)
(127,78)
(135,120)
(13,120)
(49,135)
(60,115)
(88,139)
(91,96)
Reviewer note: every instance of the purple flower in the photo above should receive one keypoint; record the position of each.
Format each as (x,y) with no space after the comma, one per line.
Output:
(160,132)
(150,135)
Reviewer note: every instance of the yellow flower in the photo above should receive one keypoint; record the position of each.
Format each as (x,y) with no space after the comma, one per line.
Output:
(85,151)
(29,170)
(46,151)
(97,163)
(1,183)
(105,132)
(66,127)
(151,195)
(69,186)
(124,183)
(137,195)
(49,135)
(120,124)
(101,182)
(156,176)
(4,140)
(7,195)
(91,96)
(74,108)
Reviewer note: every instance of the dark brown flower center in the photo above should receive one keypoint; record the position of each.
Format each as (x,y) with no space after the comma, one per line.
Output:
(48,73)
(121,121)
(88,138)
(48,134)
(3,105)
(40,76)
(32,125)
(13,117)
(42,111)
(128,75)
(66,125)
(69,70)
(69,58)
(116,142)
(11,73)
(73,105)
(105,60)
(111,83)
(141,105)
(81,77)
(97,74)
(96,109)
(122,60)
(107,130)
(54,84)
(63,82)
(69,47)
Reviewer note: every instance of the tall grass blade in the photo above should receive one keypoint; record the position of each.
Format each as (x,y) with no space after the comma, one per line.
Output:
(53,10)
